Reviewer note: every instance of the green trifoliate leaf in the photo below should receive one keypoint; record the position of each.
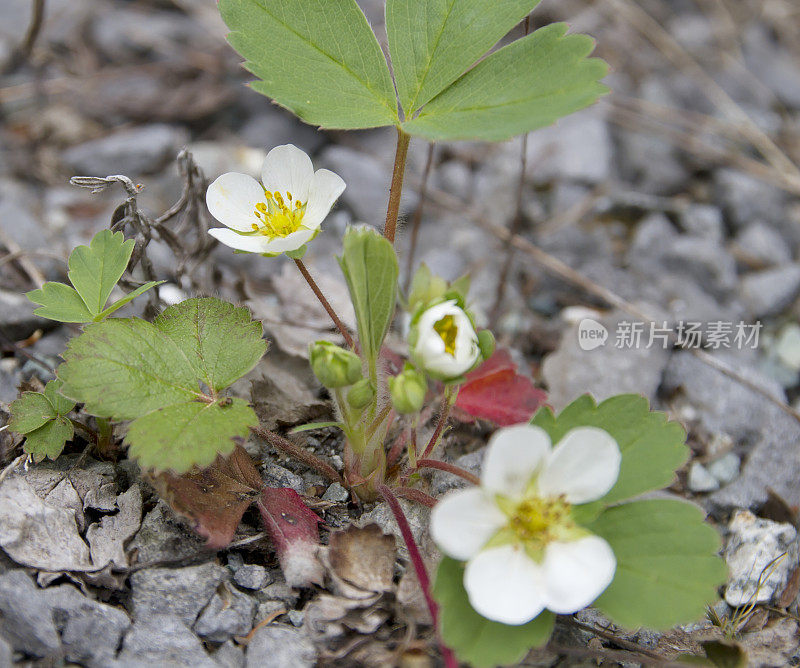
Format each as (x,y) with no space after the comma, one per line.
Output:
(95,269)
(40,417)
(60,302)
(49,440)
(476,640)
(30,411)
(317,58)
(433,43)
(523,86)
(220,341)
(158,374)
(652,447)
(369,265)
(668,570)
(192,433)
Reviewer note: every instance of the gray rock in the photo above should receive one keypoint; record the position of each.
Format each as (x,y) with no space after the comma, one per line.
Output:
(252,576)
(367,181)
(336,493)
(230,655)
(141,150)
(703,220)
(444,482)
(761,554)
(277,476)
(454,177)
(768,292)
(280,646)
(26,620)
(18,319)
(577,148)
(764,244)
(163,537)
(726,468)
(275,127)
(605,371)
(227,615)
(90,631)
(651,162)
(746,200)
(162,640)
(182,592)
(704,260)
(6,654)
(700,480)
(418,517)
(773,66)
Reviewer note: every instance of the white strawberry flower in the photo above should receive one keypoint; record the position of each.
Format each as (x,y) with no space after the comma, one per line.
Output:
(278,215)
(444,341)
(524,552)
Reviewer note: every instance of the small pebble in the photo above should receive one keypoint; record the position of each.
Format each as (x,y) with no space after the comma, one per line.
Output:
(700,480)
(252,576)
(336,493)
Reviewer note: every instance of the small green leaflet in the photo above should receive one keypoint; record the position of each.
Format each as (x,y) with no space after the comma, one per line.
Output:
(369,265)
(524,86)
(317,58)
(94,270)
(166,376)
(652,447)
(40,417)
(433,43)
(668,570)
(476,640)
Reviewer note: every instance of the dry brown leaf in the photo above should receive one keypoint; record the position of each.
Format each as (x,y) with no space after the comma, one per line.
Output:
(363,557)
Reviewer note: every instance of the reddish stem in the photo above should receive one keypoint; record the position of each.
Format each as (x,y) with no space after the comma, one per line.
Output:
(450,468)
(443,415)
(396,189)
(295,451)
(325,304)
(419,567)
(415,495)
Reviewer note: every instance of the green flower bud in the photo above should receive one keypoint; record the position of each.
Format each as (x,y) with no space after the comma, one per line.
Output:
(408,390)
(361,394)
(334,366)
(486,343)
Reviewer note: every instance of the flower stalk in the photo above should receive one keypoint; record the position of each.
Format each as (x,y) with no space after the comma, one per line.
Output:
(325,304)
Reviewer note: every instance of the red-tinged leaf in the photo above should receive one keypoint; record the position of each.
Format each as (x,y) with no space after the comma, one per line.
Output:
(213,499)
(292,526)
(495,391)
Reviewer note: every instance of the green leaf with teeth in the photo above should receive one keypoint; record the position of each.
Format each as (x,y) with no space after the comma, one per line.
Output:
(166,377)
(317,58)
(39,416)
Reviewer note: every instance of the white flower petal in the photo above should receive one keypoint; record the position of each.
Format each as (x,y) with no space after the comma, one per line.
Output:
(232,200)
(326,187)
(430,348)
(504,584)
(576,573)
(463,521)
(288,169)
(513,457)
(260,244)
(583,466)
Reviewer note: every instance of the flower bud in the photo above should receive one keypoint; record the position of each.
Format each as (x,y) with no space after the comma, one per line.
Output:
(361,394)
(444,342)
(334,366)
(408,390)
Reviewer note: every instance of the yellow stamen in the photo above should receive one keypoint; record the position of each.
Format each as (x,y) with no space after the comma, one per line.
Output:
(447,329)
(537,520)
(275,218)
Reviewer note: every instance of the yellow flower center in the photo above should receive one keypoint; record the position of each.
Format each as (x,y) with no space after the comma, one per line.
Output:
(278,217)
(538,521)
(447,329)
